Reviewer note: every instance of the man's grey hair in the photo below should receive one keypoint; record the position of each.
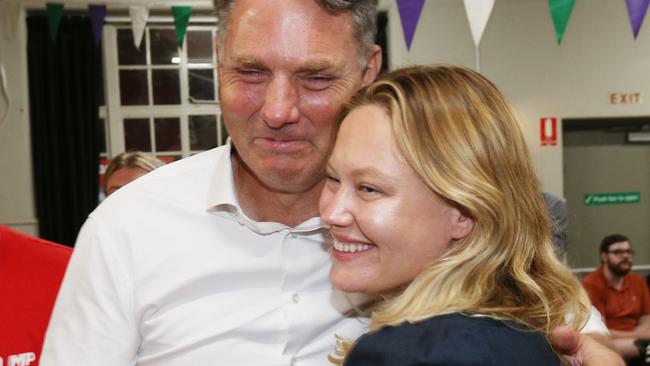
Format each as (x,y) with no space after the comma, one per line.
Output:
(362,12)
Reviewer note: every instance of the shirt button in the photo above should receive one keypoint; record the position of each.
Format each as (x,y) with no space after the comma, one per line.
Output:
(295,298)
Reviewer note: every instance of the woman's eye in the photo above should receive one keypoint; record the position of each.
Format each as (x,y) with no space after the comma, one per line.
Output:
(368,189)
(332,179)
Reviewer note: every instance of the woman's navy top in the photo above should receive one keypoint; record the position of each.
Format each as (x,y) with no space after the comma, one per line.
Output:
(453,340)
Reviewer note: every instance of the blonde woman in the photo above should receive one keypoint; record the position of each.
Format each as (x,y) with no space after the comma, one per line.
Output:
(127,167)
(434,205)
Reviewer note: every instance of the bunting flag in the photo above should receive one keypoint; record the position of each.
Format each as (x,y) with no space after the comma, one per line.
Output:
(560,12)
(181,20)
(409,14)
(139,15)
(97,16)
(478,13)
(54,14)
(9,16)
(636,10)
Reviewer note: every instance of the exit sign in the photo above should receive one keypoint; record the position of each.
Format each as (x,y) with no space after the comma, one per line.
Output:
(599,199)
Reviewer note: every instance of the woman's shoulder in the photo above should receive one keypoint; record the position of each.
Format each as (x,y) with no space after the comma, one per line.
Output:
(453,339)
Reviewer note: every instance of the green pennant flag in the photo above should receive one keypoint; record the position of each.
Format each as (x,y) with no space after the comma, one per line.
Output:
(181,19)
(54,14)
(560,12)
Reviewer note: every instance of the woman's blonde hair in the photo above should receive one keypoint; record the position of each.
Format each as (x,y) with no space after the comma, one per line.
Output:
(457,132)
(130,159)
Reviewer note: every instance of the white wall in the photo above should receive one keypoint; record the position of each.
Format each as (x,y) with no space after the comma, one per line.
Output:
(16,189)
(519,53)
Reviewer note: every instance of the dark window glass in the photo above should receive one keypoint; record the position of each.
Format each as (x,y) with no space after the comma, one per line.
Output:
(137,135)
(201,84)
(199,47)
(164,49)
(166,86)
(133,87)
(203,132)
(127,54)
(168,134)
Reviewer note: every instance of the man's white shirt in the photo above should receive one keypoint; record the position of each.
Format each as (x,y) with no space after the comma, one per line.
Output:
(170,271)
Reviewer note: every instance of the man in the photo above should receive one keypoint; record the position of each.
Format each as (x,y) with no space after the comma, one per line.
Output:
(31,270)
(221,258)
(622,297)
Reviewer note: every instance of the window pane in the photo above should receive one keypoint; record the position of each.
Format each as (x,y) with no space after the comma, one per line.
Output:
(101,136)
(127,54)
(200,47)
(203,132)
(164,49)
(201,84)
(137,136)
(168,134)
(133,87)
(166,87)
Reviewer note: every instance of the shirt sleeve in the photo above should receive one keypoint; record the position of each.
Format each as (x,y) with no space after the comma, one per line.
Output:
(93,321)
(595,323)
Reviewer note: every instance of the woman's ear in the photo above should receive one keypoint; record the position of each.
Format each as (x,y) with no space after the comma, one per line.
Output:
(461,225)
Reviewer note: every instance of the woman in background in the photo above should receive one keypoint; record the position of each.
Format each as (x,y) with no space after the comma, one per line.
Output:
(127,167)
(434,205)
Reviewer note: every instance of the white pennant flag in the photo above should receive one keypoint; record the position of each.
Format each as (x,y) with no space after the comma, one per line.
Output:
(139,15)
(478,13)
(9,16)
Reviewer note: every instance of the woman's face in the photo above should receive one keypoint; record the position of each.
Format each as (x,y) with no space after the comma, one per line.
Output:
(386,223)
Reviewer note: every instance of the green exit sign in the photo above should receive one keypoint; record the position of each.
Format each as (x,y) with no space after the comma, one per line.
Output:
(599,199)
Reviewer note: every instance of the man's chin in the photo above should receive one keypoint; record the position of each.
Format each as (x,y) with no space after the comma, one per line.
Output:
(621,270)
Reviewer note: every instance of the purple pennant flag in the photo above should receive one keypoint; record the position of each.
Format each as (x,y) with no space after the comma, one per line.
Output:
(636,9)
(97,15)
(409,13)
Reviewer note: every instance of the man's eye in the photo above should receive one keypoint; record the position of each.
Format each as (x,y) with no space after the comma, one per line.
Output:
(251,75)
(317,82)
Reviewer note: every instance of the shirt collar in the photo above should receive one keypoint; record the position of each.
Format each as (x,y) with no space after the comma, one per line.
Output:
(222,199)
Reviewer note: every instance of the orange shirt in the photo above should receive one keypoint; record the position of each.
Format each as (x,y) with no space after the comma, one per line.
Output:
(620,308)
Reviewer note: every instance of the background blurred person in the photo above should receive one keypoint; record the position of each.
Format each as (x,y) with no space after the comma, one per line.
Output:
(31,270)
(621,296)
(127,167)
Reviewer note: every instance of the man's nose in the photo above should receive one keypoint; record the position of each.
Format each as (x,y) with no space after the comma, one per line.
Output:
(280,103)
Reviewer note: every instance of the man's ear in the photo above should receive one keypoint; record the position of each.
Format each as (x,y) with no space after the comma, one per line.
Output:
(373,67)
(461,224)
(603,256)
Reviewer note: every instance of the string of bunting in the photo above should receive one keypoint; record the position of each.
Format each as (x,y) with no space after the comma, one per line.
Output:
(478,13)
(139,15)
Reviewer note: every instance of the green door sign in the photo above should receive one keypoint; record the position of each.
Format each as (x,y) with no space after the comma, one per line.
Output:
(599,199)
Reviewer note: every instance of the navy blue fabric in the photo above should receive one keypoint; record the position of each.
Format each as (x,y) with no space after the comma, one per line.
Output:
(453,340)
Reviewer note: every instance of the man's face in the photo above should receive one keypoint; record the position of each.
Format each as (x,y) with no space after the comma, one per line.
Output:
(618,258)
(285,70)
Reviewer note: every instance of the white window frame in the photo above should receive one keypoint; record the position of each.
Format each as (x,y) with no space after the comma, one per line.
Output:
(114,113)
